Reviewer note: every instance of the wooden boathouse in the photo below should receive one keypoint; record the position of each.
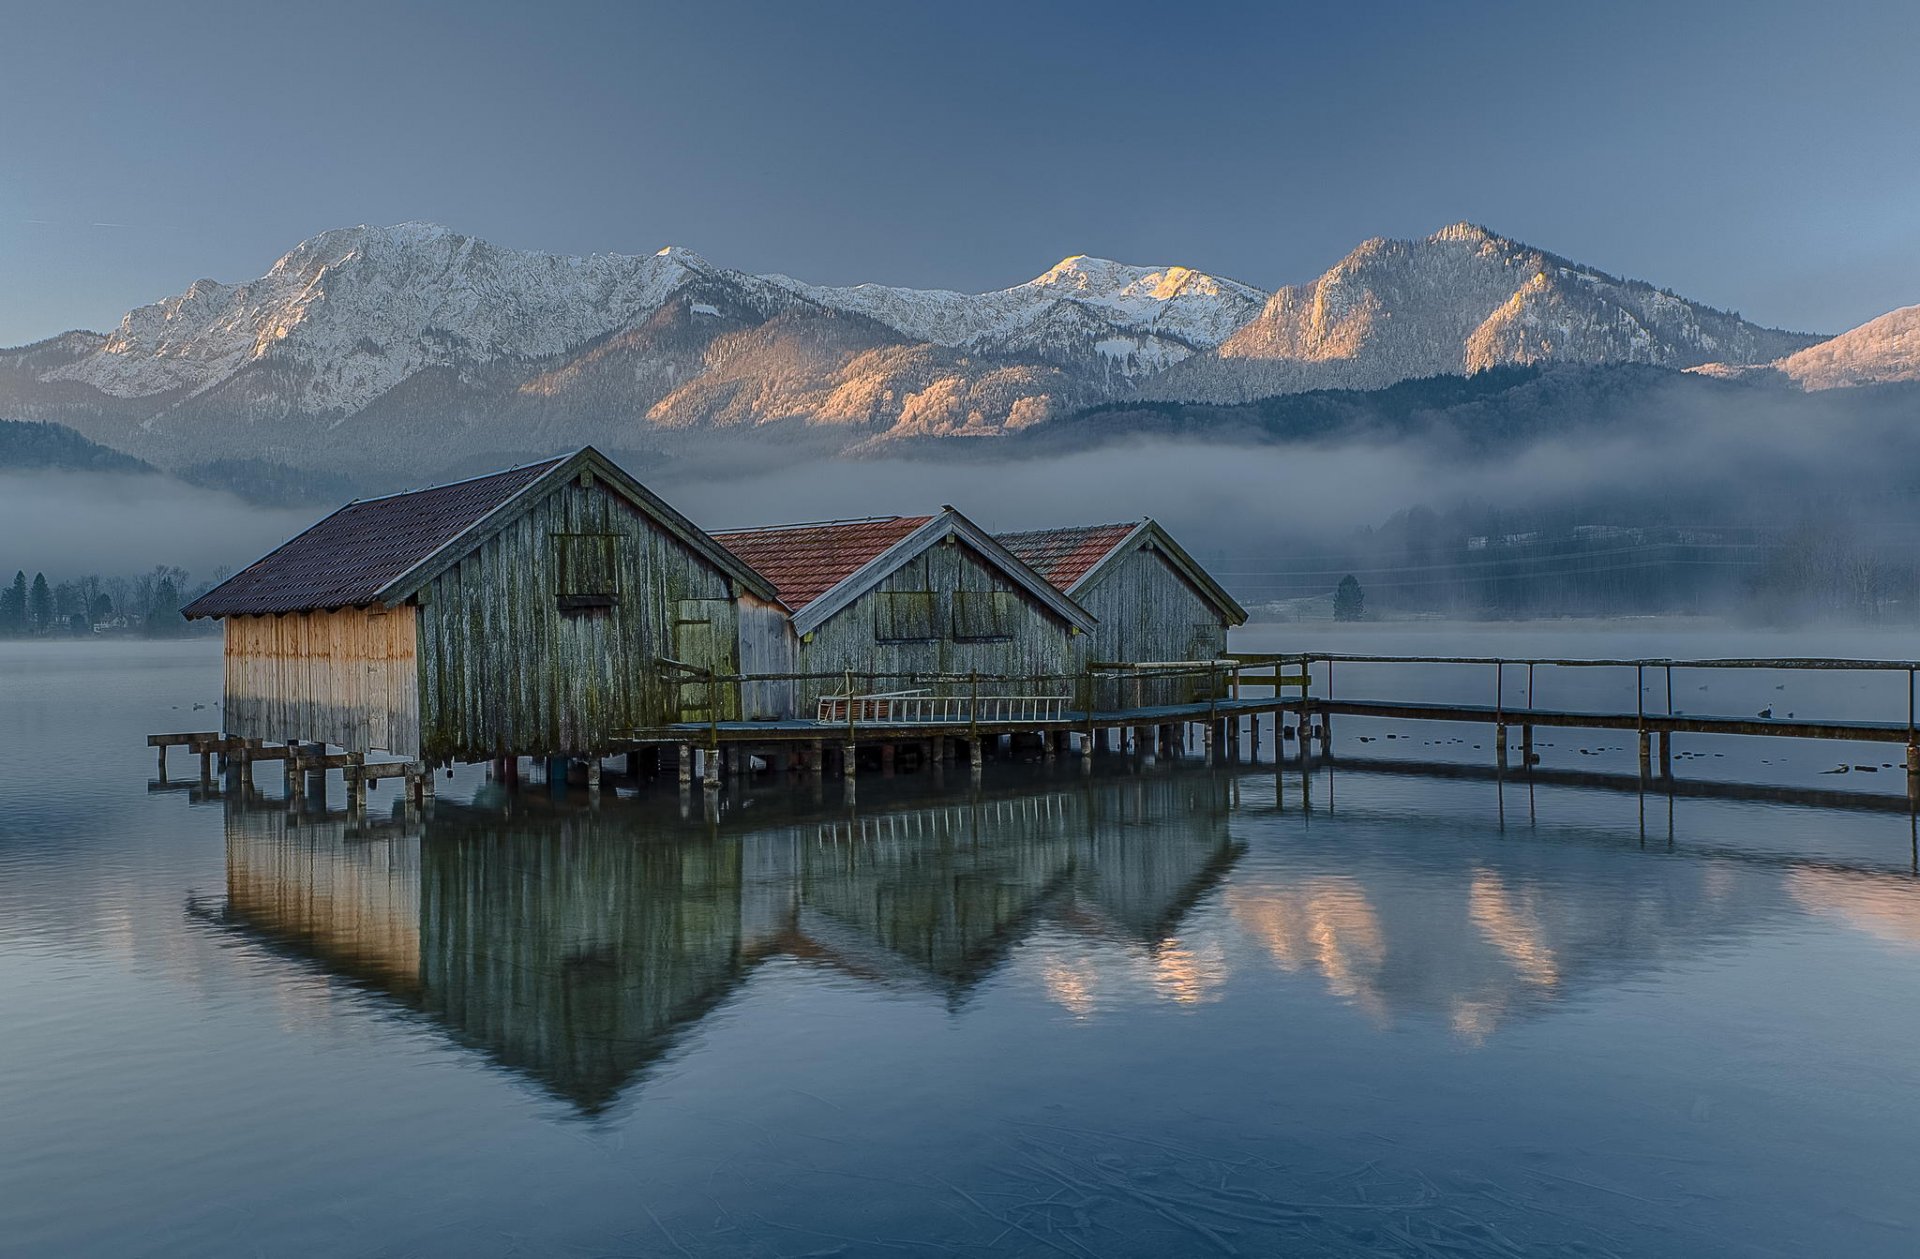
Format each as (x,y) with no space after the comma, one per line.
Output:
(904,596)
(560,610)
(1151,600)
(519,613)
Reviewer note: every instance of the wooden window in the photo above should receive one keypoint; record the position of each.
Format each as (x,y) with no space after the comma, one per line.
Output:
(587,570)
(982,614)
(903,616)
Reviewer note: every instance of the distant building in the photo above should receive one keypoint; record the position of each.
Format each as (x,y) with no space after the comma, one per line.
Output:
(1152,600)
(520,613)
(910,595)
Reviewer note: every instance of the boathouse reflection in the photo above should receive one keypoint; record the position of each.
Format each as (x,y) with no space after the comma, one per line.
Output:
(577,947)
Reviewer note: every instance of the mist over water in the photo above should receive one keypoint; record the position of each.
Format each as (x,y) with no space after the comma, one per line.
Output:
(1762,501)
(69,524)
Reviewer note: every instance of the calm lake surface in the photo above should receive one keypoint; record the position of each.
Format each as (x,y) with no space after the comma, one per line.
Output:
(1405,1008)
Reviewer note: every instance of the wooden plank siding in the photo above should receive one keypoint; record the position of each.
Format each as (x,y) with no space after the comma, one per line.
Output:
(947,597)
(1148,611)
(347,677)
(504,669)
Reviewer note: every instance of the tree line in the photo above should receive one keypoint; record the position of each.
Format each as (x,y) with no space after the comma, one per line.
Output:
(145,606)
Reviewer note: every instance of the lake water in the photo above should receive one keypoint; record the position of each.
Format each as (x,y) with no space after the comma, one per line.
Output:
(1155,1010)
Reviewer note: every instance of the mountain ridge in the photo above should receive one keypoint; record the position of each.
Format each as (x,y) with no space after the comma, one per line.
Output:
(366,346)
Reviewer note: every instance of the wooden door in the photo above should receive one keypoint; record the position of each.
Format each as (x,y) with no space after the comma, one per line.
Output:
(701,628)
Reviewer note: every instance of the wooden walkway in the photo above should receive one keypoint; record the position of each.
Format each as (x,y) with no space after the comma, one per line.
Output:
(1285,697)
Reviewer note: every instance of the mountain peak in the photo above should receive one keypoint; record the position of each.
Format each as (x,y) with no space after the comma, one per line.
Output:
(1466,233)
(685,257)
(1083,271)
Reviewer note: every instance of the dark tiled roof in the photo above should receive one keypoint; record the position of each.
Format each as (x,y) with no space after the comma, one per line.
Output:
(1064,556)
(805,561)
(347,559)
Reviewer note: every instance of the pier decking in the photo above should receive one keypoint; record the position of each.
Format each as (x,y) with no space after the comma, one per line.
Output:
(1289,698)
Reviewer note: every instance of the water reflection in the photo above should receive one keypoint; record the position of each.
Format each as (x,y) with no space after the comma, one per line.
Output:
(575,946)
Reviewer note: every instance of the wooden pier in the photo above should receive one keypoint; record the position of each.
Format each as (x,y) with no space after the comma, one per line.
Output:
(1654,727)
(884,722)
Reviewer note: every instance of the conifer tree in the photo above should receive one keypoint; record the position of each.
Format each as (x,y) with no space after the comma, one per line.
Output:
(13,606)
(1349,601)
(40,604)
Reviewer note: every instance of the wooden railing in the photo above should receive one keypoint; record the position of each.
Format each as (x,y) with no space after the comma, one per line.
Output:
(921,708)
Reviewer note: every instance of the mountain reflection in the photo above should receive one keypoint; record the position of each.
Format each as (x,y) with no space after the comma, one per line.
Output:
(576,947)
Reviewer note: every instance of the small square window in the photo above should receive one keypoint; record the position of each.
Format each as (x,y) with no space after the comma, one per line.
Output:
(903,616)
(587,571)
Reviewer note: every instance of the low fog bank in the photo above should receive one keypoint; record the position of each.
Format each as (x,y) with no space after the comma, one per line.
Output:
(1781,512)
(70,525)
(1763,504)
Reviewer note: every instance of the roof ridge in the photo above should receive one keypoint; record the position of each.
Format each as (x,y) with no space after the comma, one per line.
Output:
(447,485)
(822,524)
(1105,524)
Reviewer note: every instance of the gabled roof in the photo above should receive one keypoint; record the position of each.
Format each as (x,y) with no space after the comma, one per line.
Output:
(1064,556)
(821,568)
(383,550)
(1077,557)
(805,561)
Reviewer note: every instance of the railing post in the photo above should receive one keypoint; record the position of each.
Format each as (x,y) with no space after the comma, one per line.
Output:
(973,704)
(1500,713)
(1913,747)
(1640,718)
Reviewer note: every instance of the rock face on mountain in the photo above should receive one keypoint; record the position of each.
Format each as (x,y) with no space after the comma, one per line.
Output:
(409,346)
(1460,301)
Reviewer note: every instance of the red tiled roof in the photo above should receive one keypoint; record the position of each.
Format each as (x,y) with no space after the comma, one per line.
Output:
(1064,556)
(348,558)
(805,561)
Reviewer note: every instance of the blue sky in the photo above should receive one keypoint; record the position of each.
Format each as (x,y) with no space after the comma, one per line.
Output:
(1760,156)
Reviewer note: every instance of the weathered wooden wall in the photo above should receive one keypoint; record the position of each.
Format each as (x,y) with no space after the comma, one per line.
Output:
(1148,612)
(935,607)
(505,670)
(345,677)
(766,647)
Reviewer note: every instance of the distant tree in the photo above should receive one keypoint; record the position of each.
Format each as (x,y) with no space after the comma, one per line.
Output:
(78,624)
(100,608)
(13,606)
(67,600)
(1349,601)
(40,604)
(163,614)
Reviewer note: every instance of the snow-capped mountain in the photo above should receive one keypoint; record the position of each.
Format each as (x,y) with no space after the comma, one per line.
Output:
(1459,301)
(1878,352)
(403,346)
(1083,312)
(350,314)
